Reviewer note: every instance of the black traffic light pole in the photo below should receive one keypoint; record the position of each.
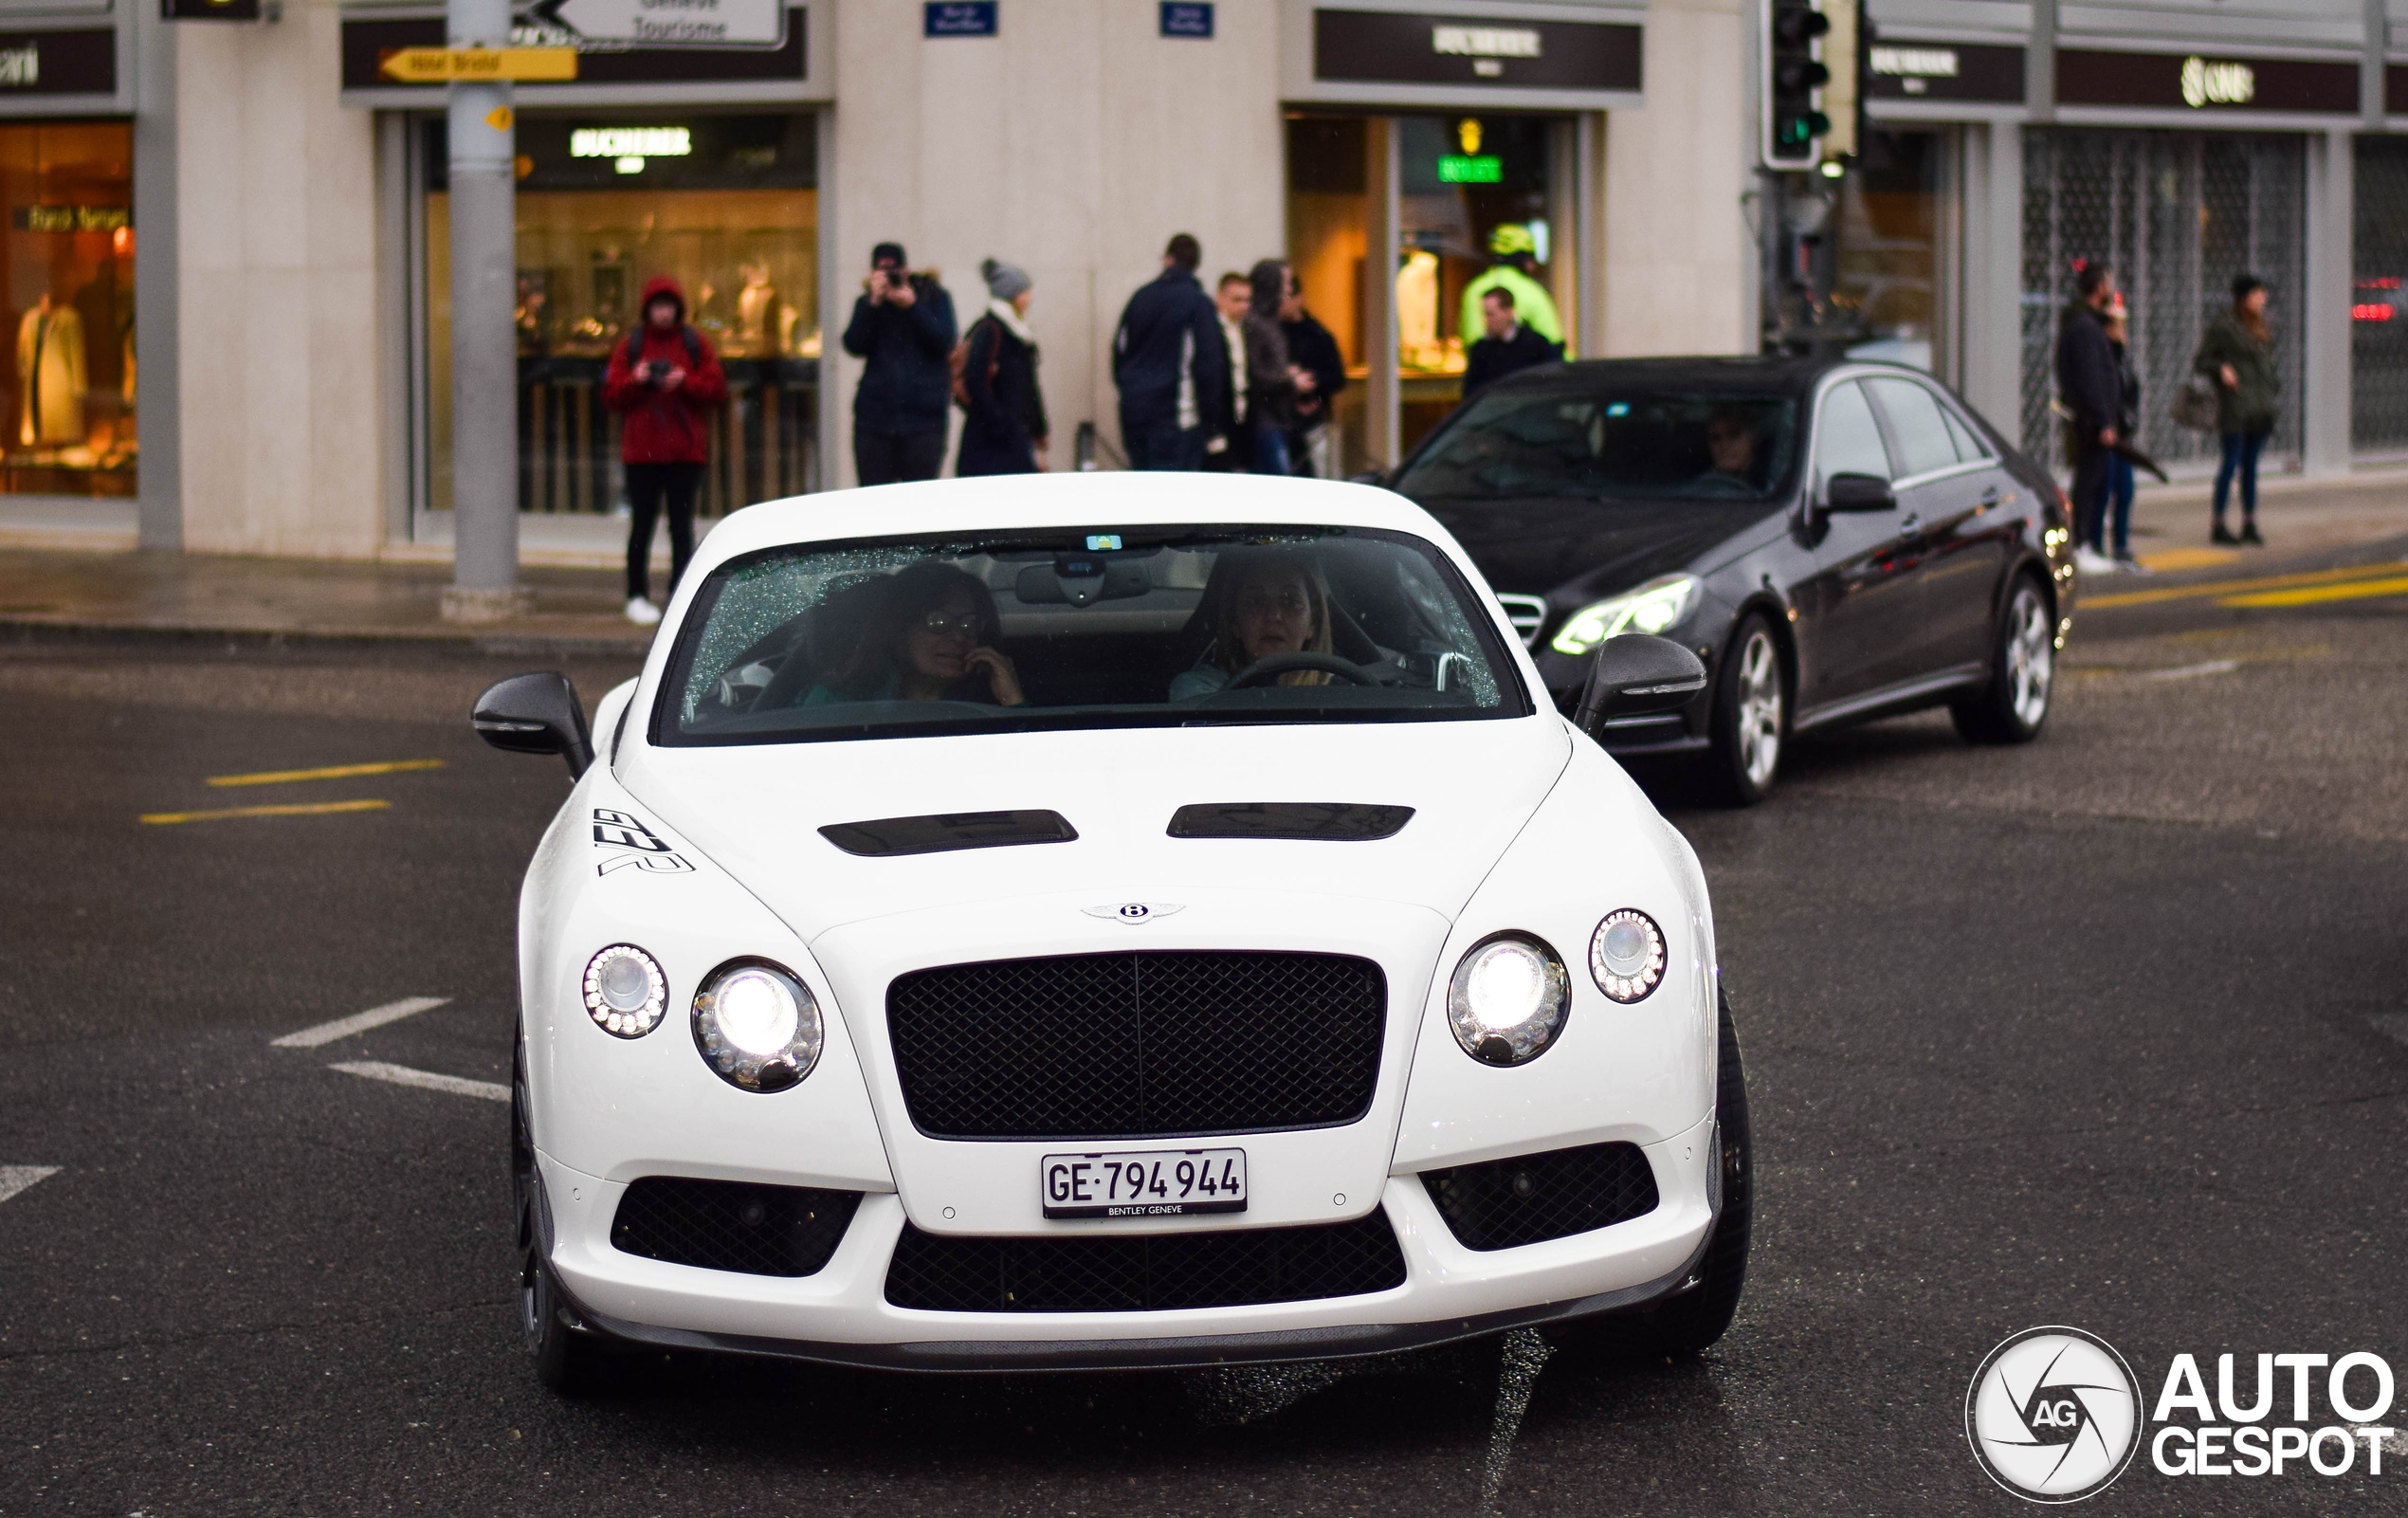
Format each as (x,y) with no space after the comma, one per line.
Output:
(1803,161)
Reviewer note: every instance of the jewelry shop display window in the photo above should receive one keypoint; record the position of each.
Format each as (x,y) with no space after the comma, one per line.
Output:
(67,266)
(725,205)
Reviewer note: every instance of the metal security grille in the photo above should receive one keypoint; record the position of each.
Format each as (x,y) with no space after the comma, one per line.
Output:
(1503,1203)
(1153,1272)
(725,1225)
(1138,1044)
(2177,215)
(2378,300)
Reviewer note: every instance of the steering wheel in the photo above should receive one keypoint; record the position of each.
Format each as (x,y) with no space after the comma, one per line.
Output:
(1270,666)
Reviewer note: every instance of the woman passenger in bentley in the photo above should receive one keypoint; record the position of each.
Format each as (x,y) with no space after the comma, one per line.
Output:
(923,636)
(1270,601)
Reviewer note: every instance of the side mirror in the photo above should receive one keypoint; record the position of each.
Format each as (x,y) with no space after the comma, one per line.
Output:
(536,714)
(1858,492)
(1635,674)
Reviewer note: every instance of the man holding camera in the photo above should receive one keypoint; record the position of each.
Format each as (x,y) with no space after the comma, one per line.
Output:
(903,329)
(664,381)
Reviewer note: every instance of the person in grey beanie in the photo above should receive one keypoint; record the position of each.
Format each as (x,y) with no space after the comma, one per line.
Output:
(1005,430)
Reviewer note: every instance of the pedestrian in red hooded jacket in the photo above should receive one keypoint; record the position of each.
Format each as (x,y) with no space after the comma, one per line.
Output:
(665,382)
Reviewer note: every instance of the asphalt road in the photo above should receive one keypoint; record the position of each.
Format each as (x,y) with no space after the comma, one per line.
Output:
(2108,1031)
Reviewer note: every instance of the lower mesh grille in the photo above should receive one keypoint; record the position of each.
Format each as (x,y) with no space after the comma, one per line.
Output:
(728,1225)
(1145,1274)
(1501,1204)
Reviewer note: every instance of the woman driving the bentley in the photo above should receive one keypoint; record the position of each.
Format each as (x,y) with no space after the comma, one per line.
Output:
(1274,601)
(924,639)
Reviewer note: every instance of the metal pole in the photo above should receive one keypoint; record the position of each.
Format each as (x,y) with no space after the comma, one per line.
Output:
(484,348)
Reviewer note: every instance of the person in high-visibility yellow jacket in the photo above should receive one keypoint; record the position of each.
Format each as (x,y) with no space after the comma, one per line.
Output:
(1533,306)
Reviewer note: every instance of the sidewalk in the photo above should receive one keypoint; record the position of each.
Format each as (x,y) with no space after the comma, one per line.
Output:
(578,610)
(169,593)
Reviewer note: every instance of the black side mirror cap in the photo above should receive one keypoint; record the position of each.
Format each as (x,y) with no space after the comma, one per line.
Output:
(536,714)
(1635,674)
(1858,492)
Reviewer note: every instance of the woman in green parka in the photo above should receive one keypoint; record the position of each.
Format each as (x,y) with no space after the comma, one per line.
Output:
(2238,356)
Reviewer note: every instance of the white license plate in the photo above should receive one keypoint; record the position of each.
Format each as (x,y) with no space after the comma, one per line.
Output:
(1152,1183)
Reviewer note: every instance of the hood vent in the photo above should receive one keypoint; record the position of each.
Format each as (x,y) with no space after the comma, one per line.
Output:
(948,831)
(1331,821)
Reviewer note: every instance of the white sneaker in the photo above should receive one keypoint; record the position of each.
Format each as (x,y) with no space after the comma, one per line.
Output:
(2086,561)
(642,613)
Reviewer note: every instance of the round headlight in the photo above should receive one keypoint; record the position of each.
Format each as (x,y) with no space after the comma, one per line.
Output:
(1508,999)
(1626,954)
(624,991)
(758,1025)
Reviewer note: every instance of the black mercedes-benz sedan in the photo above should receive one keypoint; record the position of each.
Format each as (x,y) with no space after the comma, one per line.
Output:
(1838,541)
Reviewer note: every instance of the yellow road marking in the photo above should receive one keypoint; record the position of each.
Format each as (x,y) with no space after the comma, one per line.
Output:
(311,809)
(2189,558)
(2311,595)
(331,772)
(2229,587)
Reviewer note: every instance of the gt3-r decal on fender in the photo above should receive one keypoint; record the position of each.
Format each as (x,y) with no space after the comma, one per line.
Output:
(625,840)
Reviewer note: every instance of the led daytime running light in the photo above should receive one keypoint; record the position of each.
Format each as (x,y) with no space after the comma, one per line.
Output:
(624,991)
(1626,955)
(1653,608)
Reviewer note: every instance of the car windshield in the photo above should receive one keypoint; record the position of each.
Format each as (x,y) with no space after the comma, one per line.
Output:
(1103,627)
(1693,445)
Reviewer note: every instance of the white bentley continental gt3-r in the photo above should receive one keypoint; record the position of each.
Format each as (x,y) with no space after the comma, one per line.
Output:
(1110,919)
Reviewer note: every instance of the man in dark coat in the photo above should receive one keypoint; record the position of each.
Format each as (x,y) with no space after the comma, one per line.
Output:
(2092,389)
(1509,348)
(1321,374)
(1169,364)
(902,327)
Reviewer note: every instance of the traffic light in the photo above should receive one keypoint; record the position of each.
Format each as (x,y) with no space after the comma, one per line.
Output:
(1794,78)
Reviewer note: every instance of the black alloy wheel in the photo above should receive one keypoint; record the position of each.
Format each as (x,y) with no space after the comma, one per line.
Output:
(1701,1312)
(2014,706)
(1750,715)
(565,1361)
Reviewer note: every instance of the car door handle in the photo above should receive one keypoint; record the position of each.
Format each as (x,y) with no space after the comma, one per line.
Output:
(1912,527)
(1990,498)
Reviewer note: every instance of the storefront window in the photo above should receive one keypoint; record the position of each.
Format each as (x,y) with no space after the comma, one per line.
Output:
(1476,196)
(2175,215)
(2379,298)
(68,266)
(728,207)
(1328,221)
(1887,293)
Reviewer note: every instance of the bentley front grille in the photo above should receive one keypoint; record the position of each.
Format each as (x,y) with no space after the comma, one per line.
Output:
(1138,1044)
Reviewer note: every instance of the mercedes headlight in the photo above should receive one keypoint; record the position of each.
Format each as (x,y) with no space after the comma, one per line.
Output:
(758,1025)
(1508,999)
(624,991)
(1626,954)
(1654,607)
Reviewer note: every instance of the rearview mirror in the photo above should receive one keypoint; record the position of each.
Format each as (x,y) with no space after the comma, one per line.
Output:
(1635,674)
(1858,492)
(534,714)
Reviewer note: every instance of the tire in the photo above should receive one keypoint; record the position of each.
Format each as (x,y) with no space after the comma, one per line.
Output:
(2014,706)
(1698,1317)
(565,1361)
(1751,715)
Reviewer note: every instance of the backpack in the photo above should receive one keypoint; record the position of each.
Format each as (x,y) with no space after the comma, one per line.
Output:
(958,361)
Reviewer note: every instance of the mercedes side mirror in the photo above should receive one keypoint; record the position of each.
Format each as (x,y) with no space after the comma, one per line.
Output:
(1858,492)
(536,714)
(1634,675)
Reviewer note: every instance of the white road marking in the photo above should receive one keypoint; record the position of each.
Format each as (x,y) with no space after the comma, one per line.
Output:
(376,1070)
(359,1022)
(14,1178)
(2192,671)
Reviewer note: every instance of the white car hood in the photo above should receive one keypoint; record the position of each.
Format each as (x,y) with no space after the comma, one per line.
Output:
(755,810)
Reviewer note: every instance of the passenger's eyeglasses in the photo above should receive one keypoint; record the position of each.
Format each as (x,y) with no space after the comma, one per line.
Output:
(1291,602)
(966,623)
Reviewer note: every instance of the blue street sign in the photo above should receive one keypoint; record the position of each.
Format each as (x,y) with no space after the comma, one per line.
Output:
(958,18)
(1180,19)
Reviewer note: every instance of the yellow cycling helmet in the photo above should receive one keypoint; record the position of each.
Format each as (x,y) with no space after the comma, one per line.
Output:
(1511,239)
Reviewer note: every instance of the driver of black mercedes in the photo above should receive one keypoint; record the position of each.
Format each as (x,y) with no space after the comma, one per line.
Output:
(1276,602)
(1730,444)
